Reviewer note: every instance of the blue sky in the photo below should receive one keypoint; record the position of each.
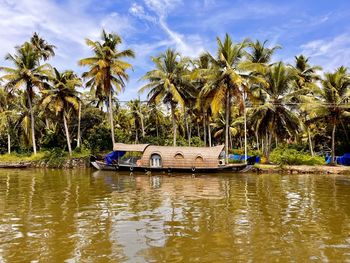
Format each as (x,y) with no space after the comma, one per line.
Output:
(319,29)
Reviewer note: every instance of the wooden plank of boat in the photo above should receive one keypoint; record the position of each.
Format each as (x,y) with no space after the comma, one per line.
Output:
(99,165)
(14,165)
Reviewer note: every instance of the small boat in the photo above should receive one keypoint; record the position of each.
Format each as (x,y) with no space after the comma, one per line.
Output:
(146,157)
(14,165)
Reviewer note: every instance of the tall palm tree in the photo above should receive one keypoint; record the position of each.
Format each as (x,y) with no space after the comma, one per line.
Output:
(225,80)
(333,100)
(62,97)
(44,49)
(27,73)
(107,69)
(167,83)
(136,114)
(259,53)
(7,115)
(304,84)
(273,117)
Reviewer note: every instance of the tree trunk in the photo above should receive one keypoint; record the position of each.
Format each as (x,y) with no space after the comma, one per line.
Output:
(67,134)
(209,134)
(110,110)
(333,144)
(174,122)
(189,135)
(257,141)
(187,126)
(8,142)
(227,120)
(32,122)
(310,142)
(198,131)
(142,127)
(79,118)
(204,130)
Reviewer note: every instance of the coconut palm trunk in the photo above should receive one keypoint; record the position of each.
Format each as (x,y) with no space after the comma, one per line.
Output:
(142,127)
(333,143)
(79,119)
(8,142)
(227,120)
(110,111)
(67,134)
(187,126)
(209,134)
(173,122)
(32,122)
(204,129)
(310,142)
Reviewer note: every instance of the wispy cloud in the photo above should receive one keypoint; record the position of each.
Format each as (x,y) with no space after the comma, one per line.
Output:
(330,52)
(189,45)
(65,26)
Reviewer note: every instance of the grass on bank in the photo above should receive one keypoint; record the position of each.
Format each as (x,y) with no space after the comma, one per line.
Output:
(53,158)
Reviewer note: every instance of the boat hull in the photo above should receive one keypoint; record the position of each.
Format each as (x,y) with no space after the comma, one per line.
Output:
(228,168)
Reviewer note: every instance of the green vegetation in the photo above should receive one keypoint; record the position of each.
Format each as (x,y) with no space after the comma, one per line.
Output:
(204,101)
(286,156)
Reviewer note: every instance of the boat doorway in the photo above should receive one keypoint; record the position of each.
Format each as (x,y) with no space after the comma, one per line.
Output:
(156,160)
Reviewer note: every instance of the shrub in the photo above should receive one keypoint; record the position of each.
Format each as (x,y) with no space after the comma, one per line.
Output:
(286,156)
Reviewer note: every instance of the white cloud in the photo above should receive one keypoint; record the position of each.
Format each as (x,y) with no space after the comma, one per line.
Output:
(190,45)
(66,26)
(330,53)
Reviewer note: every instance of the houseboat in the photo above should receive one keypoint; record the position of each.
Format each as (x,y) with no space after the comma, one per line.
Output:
(146,157)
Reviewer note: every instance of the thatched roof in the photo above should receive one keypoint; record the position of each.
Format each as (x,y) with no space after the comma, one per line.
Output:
(184,157)
(129,147)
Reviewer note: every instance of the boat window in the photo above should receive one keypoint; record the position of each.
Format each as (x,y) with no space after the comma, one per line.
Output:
(156,160)
(199,159)
(179,156)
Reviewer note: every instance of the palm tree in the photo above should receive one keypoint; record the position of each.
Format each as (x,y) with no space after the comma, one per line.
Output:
(136,114)
(225,80)
(7,115)
(304,84)
(156,116)
(167,83)
(259,53)
(44,49)
(62,97)
(28,73)
(107,71)
(333,100)
(273,117)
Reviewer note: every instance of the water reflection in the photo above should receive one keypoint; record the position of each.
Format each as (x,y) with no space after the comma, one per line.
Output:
(80,216)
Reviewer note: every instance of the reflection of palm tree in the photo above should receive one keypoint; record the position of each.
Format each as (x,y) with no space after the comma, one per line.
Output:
(107,72)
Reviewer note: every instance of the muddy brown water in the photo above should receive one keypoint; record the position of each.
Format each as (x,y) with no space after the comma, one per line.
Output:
(88,216)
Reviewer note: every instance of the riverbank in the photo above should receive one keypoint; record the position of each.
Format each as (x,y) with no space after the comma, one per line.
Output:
(45,160)
(302,169)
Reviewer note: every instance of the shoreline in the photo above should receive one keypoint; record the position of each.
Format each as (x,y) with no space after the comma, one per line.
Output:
(302,169)
(78,163)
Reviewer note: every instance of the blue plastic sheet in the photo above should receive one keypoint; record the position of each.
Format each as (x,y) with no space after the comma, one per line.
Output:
(113,156)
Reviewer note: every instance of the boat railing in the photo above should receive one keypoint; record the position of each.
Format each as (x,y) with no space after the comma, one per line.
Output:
(131,160)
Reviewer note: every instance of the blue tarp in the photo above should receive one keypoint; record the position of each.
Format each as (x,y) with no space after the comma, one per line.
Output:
(342,160)
(237,157)
(113,156)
